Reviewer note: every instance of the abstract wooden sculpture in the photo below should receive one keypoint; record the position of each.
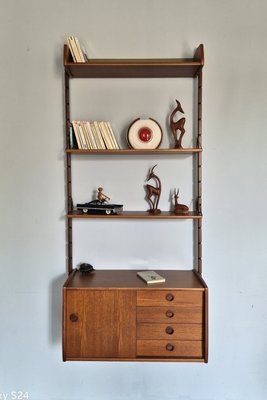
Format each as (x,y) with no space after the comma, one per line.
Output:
(179,209)
(153,192)
(177,126)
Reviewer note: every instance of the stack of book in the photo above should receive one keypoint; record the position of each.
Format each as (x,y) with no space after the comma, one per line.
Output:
(78,53)
(87,135)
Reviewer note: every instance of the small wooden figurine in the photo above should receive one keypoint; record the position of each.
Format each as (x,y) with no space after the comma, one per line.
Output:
(153,192)
(101,197)
(179,209)
(177,126)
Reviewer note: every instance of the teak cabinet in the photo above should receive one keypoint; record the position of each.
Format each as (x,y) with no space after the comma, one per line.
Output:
(113,314)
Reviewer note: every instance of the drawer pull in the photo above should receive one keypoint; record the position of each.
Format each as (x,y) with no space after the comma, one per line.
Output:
(169,297)
(169,347)
(73,317)
(169,313)
(169,330)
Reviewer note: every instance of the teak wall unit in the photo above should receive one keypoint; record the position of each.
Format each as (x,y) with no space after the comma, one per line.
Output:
(113,314)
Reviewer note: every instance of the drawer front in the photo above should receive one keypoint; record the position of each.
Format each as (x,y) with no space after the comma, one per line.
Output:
(171,314)
(169,332)
(168,349)
(183,298)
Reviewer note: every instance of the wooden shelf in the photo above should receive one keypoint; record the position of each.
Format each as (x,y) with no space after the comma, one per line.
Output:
(137,215)
(135,68)
(111,314)
(133,151)
(122,278)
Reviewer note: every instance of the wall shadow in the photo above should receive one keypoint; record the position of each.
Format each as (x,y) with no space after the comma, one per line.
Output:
(55,309)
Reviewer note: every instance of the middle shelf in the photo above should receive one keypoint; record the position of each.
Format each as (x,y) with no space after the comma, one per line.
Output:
(137,215)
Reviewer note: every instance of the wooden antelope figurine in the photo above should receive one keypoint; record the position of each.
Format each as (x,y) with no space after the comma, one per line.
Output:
(179,209)
(177,126)
(153,192)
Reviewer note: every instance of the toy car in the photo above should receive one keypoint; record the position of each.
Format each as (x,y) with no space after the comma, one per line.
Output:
(95,207)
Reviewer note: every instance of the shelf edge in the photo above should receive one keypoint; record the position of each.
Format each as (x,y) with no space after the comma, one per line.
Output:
(134,151)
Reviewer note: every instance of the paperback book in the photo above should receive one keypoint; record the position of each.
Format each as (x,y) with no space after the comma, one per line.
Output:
(151,277)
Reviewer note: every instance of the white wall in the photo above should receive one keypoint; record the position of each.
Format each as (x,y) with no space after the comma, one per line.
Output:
(32,192)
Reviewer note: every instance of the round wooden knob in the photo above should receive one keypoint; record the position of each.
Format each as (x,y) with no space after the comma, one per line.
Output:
(169,347)
(169,297)
(169,330)
(73,317)
(169,313)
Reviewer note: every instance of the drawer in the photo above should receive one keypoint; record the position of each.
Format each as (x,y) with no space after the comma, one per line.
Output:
(183,315)
(170,332)
(183,298)
(173,348)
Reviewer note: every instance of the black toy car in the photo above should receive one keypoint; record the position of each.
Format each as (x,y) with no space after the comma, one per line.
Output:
(96,207)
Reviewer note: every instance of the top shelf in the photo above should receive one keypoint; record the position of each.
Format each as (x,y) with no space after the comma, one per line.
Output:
(135,151)
(135,68)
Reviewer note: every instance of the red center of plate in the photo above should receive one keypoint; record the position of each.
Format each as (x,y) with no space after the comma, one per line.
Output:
(145,134)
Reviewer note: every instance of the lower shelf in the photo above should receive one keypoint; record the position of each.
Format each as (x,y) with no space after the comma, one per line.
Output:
(114,315)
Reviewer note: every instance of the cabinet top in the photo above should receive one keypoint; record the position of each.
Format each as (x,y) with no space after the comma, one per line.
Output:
(135,68)
(128,279)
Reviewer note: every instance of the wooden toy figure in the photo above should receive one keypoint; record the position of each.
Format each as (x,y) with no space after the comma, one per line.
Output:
(101,197)
(179,209)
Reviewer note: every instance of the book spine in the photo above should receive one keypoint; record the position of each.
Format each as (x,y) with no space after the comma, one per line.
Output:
(116,146)
(86,136)
(92,130)
(109,135)
(71,137)
(99,135)
(105,135)
(75,50)
(90,135)
(81,57)
(71,49)
(83,141)
(77,134)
